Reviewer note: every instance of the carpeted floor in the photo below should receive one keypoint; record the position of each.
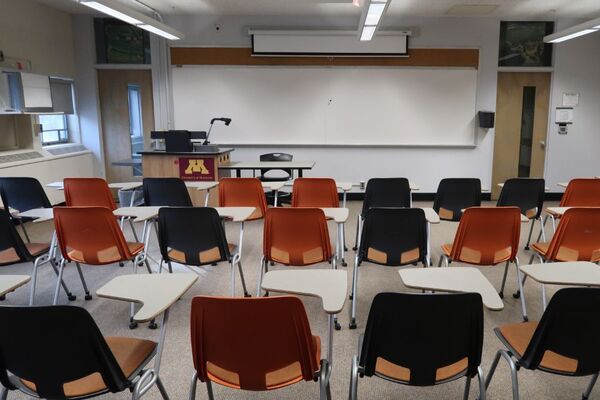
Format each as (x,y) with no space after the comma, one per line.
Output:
(176,370)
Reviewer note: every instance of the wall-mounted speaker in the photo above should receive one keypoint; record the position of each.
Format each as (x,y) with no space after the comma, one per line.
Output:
(486,119)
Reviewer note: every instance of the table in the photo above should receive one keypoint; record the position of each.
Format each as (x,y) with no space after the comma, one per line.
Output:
(330,285)
(453,279)
(9,283)
(156,292)
(574,273)
(300,166)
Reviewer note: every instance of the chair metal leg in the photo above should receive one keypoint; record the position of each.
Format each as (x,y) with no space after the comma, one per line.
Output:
(542,230)
(70,295)
(263,266)
(25,232)
(232,278)
(588,391)
(209,390)
(542,233)
(33,280)
(354,293)
(170,266)
(490,374)
(88,296)
(58,281)
(481,379)
(324,374)
(246,294)
(161,389)
(532,221)
(440,262)
(353,392)
(520,283)
(3,392)
(467,388)
(501,292)
(357,231)
(193,385)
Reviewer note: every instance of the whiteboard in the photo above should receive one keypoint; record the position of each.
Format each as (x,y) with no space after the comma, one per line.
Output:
(328,105)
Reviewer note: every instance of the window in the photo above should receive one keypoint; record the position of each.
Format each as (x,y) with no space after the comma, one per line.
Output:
(136,130)
(54,128)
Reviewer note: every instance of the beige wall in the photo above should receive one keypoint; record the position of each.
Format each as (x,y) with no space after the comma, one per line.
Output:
(41,34)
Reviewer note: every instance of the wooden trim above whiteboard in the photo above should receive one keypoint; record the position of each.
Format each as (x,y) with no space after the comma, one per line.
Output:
(243,56)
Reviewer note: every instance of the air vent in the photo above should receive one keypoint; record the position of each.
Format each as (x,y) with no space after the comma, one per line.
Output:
(19,157)
(471,10)
(59,151)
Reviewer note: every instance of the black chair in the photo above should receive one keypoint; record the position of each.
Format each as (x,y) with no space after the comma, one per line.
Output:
(391,237)
(528,195)
(23,194)
(565,342)
(166,192)
(195,236)
(383,192)
(14,251)
(58,352)
(282,197)
(454,195)
(422,340)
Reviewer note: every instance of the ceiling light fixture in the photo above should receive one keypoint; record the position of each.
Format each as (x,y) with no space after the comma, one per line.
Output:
(371,17)
(117,10)
(574,31)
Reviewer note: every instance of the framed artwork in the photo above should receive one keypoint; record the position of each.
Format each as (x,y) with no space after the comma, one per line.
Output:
(522,44)
(118,42)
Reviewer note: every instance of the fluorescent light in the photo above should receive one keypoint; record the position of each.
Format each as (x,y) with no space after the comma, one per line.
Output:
(572,36)
(159,31)
(367,33)
(120,11)
(374,13)
(574,31)
(112,12)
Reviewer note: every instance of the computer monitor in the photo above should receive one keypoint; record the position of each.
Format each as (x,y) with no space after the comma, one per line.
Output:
(178,142)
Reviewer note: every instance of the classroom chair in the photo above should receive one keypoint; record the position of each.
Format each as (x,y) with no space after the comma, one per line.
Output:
(243,192)
(262,344)
(14,251)
(487,236)
(421,340)
(287,175)
(23,194)
(580,192)
(528,195)
(391,237)
(565,342)
(194,236)
(58,352)
(315,192)
(91,235)
(383,192)
(88,192)
(456,194)
(166,192)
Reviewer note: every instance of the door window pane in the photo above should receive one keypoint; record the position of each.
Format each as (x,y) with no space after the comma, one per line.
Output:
(136,130)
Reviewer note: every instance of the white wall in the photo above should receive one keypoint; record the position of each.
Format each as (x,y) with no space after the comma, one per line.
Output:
(576,70)
(348,163)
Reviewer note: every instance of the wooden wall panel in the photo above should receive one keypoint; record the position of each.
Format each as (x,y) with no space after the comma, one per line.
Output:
(243,56)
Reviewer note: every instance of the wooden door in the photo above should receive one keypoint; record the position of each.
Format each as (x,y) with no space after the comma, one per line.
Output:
(114,91)
(522,105)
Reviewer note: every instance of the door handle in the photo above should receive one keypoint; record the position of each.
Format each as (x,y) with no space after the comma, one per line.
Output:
(543,144)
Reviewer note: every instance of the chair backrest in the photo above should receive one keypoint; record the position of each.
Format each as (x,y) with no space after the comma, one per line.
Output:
(276,157)
(90,235)
(12,248)
(296,236)
(195,234)
(315,192)
(23,194)
(394,236)
(415,338)
(577,237)
(166,192)
(582,192)
(258,346)
(71,347)
(570,328)
(487,235)
(243,192)
(454,195)
(88,192)
(386,192)
(525,193)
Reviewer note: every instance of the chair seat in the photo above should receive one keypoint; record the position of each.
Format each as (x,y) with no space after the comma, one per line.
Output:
(108,256)
(274,379)
(131,355)
(386,369)
(10,256)
(517,338)
(541,247)
(207,256)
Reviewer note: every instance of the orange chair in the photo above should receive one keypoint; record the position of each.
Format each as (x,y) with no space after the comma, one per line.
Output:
(580,192)
(487,236)
(243,192)
(315,192)
(88,192)
(91,235)
(263,344)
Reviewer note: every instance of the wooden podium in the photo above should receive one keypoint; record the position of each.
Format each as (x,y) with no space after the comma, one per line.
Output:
(189,166)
